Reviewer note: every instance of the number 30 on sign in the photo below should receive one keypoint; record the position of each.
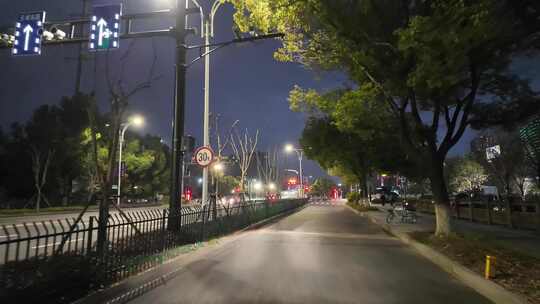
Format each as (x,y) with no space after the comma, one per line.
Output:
(204,156)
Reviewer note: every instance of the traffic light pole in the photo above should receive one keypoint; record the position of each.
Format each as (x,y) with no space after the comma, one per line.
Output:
(178,120)
(179,33)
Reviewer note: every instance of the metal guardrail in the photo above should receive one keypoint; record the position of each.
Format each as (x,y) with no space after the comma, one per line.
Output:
(135,242)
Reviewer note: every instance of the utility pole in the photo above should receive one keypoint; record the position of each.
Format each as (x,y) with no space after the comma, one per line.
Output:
(206,124)
(179,34)
(178,120)
(78,74)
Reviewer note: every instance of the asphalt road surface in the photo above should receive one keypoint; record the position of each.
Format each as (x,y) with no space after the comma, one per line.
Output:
(322,254)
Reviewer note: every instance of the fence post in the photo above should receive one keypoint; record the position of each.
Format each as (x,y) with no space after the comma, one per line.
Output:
(203,222)
(509,213)
(164,231)
(471,211)
(90,235)
(488,205)
(537,216)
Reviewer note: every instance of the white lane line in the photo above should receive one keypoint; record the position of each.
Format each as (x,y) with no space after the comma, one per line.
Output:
(57,243)
(31,224)
(6,236)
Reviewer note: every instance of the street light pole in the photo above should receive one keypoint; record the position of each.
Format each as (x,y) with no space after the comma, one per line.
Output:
(206,128)
(300,154)
(179,110)
(120,146)
(207,33)
(134,120)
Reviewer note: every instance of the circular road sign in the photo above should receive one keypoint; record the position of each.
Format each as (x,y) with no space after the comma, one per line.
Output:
(204,156)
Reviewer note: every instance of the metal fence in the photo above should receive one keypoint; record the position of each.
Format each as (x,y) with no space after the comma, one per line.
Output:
(136,241)
(514,215)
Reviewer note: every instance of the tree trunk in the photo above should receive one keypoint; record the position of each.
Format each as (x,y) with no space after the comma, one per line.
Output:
(443,213)
(38,199)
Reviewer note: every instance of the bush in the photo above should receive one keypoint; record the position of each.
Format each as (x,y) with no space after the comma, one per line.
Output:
(60,279)
(353,197)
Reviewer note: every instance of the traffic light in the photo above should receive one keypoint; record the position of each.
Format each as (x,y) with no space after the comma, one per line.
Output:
(188,194)
(54,33)
(7,40)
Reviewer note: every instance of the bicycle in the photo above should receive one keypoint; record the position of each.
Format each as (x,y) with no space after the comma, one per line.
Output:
(405,215)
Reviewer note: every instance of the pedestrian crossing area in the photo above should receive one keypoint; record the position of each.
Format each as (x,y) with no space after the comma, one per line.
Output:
(325,203)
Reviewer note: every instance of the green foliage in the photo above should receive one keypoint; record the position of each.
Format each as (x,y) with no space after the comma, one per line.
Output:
(322,187)
(509,170)
(64,131)
(468,176)
(354,197)
(227,183)
(419,187)
(436,66)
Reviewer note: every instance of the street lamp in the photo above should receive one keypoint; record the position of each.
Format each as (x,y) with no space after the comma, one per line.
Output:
(137,121)
(218,167)
(300,153)
(207,32)
(257,187)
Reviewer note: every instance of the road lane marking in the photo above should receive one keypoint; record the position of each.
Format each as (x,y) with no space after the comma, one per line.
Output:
(57,243)
(6,236)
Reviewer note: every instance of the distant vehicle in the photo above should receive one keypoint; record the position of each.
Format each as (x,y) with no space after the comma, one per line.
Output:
(290,194)
(385,195)
(138,200)
(229,200)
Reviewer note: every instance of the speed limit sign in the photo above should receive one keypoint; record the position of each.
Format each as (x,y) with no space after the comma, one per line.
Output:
(204,156)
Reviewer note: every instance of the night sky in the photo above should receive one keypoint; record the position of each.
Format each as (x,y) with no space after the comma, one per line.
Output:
(246,82)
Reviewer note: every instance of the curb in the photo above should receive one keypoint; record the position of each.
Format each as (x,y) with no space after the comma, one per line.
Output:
(493,291)
(125,293)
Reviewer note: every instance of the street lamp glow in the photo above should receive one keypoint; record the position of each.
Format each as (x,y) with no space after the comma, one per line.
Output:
(272,186)
(289,148)
(257,186)
(200,180)
(137,120)
(218,167)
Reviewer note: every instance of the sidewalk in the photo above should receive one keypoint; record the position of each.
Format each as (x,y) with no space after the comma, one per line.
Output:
(526,242)
(522,241)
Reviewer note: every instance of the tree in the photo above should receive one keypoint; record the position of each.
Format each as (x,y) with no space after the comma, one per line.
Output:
(243,147)
(469,176)
(43,136)
(18,181)
(439,66)
(268,166)
(147,161)
(226,184)
(322,187)
(67,163)
(530,136)
(368,145)
(511,167)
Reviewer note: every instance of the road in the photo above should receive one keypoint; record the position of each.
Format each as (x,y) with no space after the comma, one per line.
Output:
(322,254)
